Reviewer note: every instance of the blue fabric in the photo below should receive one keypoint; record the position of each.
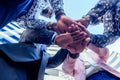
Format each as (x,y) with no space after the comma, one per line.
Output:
(103,75)
(10,33)
(21,52)
(11,72)
(10,11)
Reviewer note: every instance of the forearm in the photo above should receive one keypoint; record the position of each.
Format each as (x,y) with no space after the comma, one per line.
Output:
(57,59)
(74,67)
(57,7)
(103,53)
(69,65)
(99,10)
(103,40)
(41,36)
(31,23)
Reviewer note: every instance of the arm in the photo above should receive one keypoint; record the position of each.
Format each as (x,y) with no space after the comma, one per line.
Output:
(102,40)
(101,58)
(57,6)
(31,21)
(41,36)
(44,36)
(68,65)
(103,53)
(63,21)
(57,59)
(99,10)
(74,67)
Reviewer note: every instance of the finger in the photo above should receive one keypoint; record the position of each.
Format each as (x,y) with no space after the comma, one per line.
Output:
(70,29)
(76,27)
(73,27)
(86,41)
(79,34)
(79,24)
(79,40)
(83,28)
(75,33)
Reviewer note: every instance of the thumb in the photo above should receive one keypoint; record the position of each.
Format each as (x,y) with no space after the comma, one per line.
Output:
(86,41)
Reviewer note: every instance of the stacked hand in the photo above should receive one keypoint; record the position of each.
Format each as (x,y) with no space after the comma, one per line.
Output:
(63,23)
(81,39)
(73,35)
(74,40)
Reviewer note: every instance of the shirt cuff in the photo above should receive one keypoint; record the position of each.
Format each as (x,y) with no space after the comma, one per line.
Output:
(74,56)
(59,13)
(93,39)
(53,37)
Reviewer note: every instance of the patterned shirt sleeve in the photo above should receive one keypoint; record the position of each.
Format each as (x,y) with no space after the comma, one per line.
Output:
(99,10)
(103,40)
(57,5)
(109,35)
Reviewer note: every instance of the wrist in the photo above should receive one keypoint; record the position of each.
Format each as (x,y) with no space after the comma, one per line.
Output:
(88,19)
(92,39)
(58,14)
(51,26)
(54,39)
(74,56)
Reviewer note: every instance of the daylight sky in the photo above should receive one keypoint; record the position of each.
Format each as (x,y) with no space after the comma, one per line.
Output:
(77,8)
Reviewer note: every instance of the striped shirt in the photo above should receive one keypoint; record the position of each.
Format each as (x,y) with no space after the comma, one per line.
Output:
(10,33)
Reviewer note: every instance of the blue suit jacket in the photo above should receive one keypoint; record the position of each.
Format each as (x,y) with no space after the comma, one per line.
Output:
(11,9)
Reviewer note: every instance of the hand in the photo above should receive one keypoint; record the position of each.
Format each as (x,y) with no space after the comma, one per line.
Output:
(79,44)
(63,23)
(63,40)
(83,22)
(79,26)
(78,47)
(83,28)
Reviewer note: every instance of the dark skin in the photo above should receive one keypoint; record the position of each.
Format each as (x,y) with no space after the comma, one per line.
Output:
(63,23)
(65,39)
(78,31)
(81,40)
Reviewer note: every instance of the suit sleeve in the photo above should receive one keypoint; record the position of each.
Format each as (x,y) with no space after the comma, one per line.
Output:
(40,36)
(57,59)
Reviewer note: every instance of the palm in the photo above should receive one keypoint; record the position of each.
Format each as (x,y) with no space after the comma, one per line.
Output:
(76,47)
(63,40)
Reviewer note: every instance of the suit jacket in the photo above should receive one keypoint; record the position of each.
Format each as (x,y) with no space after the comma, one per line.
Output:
(11,9)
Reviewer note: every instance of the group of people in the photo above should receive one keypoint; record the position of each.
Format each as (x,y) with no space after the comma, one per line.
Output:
(28,59)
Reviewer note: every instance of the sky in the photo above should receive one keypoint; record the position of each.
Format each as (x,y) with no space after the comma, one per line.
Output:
(77,8)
